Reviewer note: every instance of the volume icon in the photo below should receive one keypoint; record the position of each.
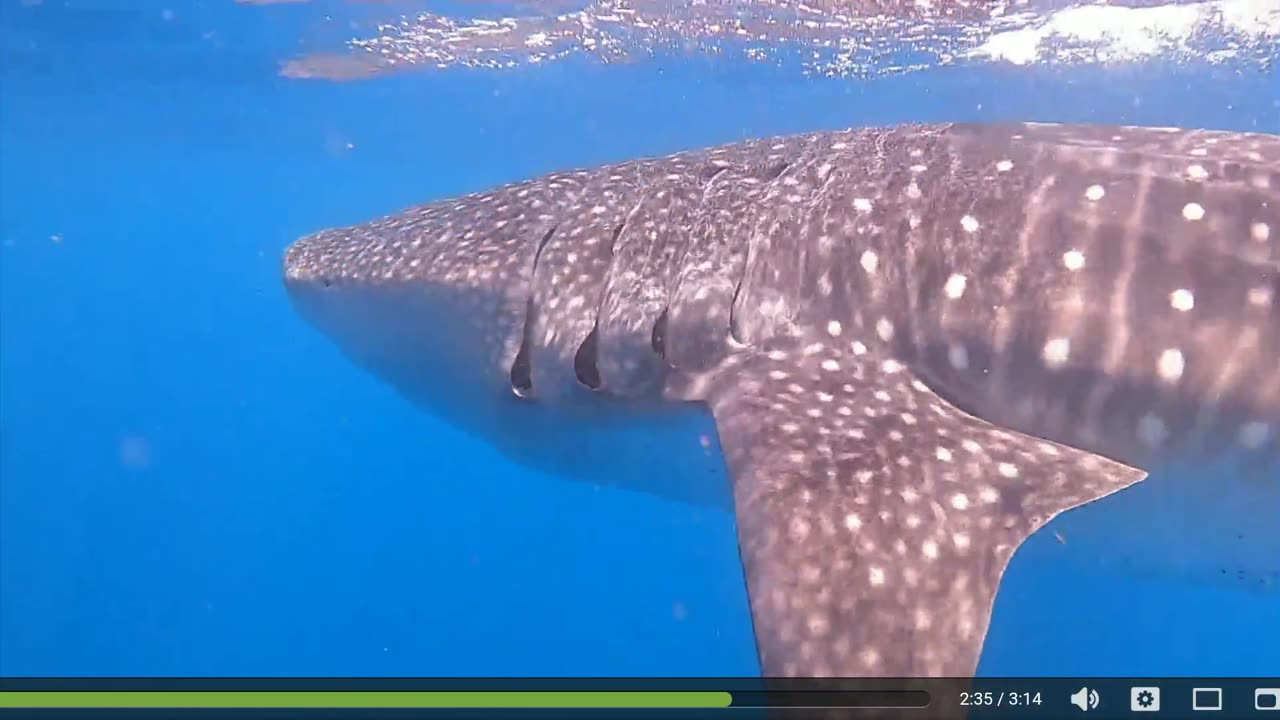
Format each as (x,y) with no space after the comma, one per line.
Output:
(1085,699)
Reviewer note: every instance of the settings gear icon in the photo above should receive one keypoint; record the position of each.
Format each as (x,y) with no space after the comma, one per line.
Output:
(1144,699)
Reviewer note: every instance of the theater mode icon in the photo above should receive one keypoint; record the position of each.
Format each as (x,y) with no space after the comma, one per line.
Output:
(1266,699)
(1206,698)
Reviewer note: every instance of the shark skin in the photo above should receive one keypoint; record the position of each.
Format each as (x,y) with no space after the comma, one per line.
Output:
(919,344)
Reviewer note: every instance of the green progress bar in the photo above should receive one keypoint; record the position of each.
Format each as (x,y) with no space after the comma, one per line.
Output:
(364,699)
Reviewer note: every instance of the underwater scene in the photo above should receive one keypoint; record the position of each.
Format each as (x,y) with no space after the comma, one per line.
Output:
(639,338)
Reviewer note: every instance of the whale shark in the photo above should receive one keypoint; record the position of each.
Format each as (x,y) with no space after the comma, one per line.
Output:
(918,345)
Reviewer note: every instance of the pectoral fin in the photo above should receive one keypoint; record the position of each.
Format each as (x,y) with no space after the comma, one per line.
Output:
(875,520)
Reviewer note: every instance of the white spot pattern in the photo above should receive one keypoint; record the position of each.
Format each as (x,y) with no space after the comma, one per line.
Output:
(1182,299)
(884,328)
(1171,365)
(840,403)
(1056,352)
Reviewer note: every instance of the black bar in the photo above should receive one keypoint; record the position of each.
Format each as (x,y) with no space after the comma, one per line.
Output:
(832,699)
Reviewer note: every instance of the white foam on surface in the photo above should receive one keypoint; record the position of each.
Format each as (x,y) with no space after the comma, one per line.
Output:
(1108,33)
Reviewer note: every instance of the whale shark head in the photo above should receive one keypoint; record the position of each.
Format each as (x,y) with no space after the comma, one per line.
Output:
(918,344)
(433,300)
(440,301)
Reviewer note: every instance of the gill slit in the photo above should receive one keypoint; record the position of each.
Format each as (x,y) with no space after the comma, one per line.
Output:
(521,367)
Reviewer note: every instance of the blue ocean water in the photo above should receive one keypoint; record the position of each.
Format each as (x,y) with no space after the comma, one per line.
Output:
(193,482)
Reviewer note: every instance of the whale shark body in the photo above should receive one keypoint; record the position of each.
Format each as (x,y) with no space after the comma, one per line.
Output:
(918,344)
